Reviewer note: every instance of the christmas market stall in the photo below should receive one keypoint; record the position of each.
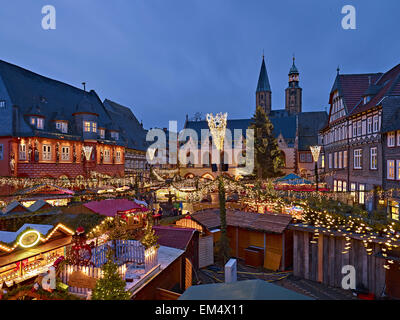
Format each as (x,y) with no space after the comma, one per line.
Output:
(52,194)
(132,212)
(30,251)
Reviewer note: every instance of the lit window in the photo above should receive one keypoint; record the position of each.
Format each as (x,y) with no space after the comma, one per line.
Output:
(361,189)
(353,191)
(373,158)
(32,121)
(339,186)
(323,161)
(107,155)
(118,156)
(391,139)
(22,151)
(46,152)
(94,126)
(398,169)
(65,153)
(102,133)
(344,186)
(334,185)
(390,169)
(86,126)
(40,123)
(357,158)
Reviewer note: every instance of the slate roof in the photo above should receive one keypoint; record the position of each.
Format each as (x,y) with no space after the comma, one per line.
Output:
(263,81)
(131,131)
(309,124)
(285,125)
(391,114)
(241,290)
(174,237)
(274,223)
(35,94)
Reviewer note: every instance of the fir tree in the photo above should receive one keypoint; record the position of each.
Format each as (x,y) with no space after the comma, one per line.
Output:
(111,286)
(268,157)
(149,238)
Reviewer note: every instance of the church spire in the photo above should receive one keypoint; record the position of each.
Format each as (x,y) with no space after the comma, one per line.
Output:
(263,92)
(263,81)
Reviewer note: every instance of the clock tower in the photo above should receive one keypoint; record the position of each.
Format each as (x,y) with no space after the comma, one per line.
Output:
(293,92)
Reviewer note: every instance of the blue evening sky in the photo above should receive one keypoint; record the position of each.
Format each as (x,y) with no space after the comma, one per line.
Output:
(169,58)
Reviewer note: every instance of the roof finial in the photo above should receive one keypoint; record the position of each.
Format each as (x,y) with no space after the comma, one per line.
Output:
(294,58)
(338,70)
(263,54)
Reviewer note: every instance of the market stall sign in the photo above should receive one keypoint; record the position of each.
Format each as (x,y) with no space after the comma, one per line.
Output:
(29,239)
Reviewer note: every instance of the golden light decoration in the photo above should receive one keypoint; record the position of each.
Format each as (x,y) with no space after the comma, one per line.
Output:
(315,151)
(217,125)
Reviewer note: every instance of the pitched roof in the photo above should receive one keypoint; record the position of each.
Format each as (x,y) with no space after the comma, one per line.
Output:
(275,223)
(34,93)
(110,207)
(309,124)
(387,84)
(174,237)
(263,81)
(352,87)
(241,290)
(391,114)
(131,131)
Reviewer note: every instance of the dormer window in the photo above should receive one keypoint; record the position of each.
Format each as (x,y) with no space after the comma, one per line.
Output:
(102,133)
(62,126)
(367,99)
(115,135)
(89,126)
(2,104)
(38,122)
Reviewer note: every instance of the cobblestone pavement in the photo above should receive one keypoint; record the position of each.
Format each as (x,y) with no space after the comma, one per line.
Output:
(315,290)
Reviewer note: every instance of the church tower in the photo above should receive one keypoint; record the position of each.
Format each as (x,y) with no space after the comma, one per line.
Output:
(293,92)
(263,92)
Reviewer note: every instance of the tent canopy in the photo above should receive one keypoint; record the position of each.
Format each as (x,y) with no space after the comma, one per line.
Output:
(293,179)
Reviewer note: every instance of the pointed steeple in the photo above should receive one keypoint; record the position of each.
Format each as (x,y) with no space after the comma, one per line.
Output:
(293,69)
(263,81)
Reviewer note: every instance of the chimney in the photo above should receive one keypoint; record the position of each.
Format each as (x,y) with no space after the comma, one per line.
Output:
(165,129)
(84,86)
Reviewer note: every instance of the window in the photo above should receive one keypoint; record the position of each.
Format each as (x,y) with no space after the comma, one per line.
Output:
(62,126)
(118,156)
(330,160)
(353,191)
(340,164)
(391,139)
(354,130)
(394,210)
(22,151)
(305,157)
(65,153)
(40,123)
(107,155)
(390,169)
(46,152)
(102,133)
(334,185)
(33,121)
(361,188)
(398,137)
(335,160)
(322,161)
(344,186)
(339,186)
(369,125)
(359,126)
(2,104)
(86,126)
(345,159)
(1,152)
(94,126)
(373,158)
(114,135)
(357,158)
(398,170)
(376,123)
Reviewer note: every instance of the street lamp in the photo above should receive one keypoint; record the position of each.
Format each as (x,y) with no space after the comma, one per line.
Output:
(315,150)
(217,127)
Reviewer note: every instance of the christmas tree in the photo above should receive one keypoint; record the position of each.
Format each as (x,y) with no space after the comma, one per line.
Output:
(111,286)
(149,239)
(268,157)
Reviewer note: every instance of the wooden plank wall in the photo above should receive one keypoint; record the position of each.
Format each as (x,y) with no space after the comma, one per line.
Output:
(206,251)
(323,261)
